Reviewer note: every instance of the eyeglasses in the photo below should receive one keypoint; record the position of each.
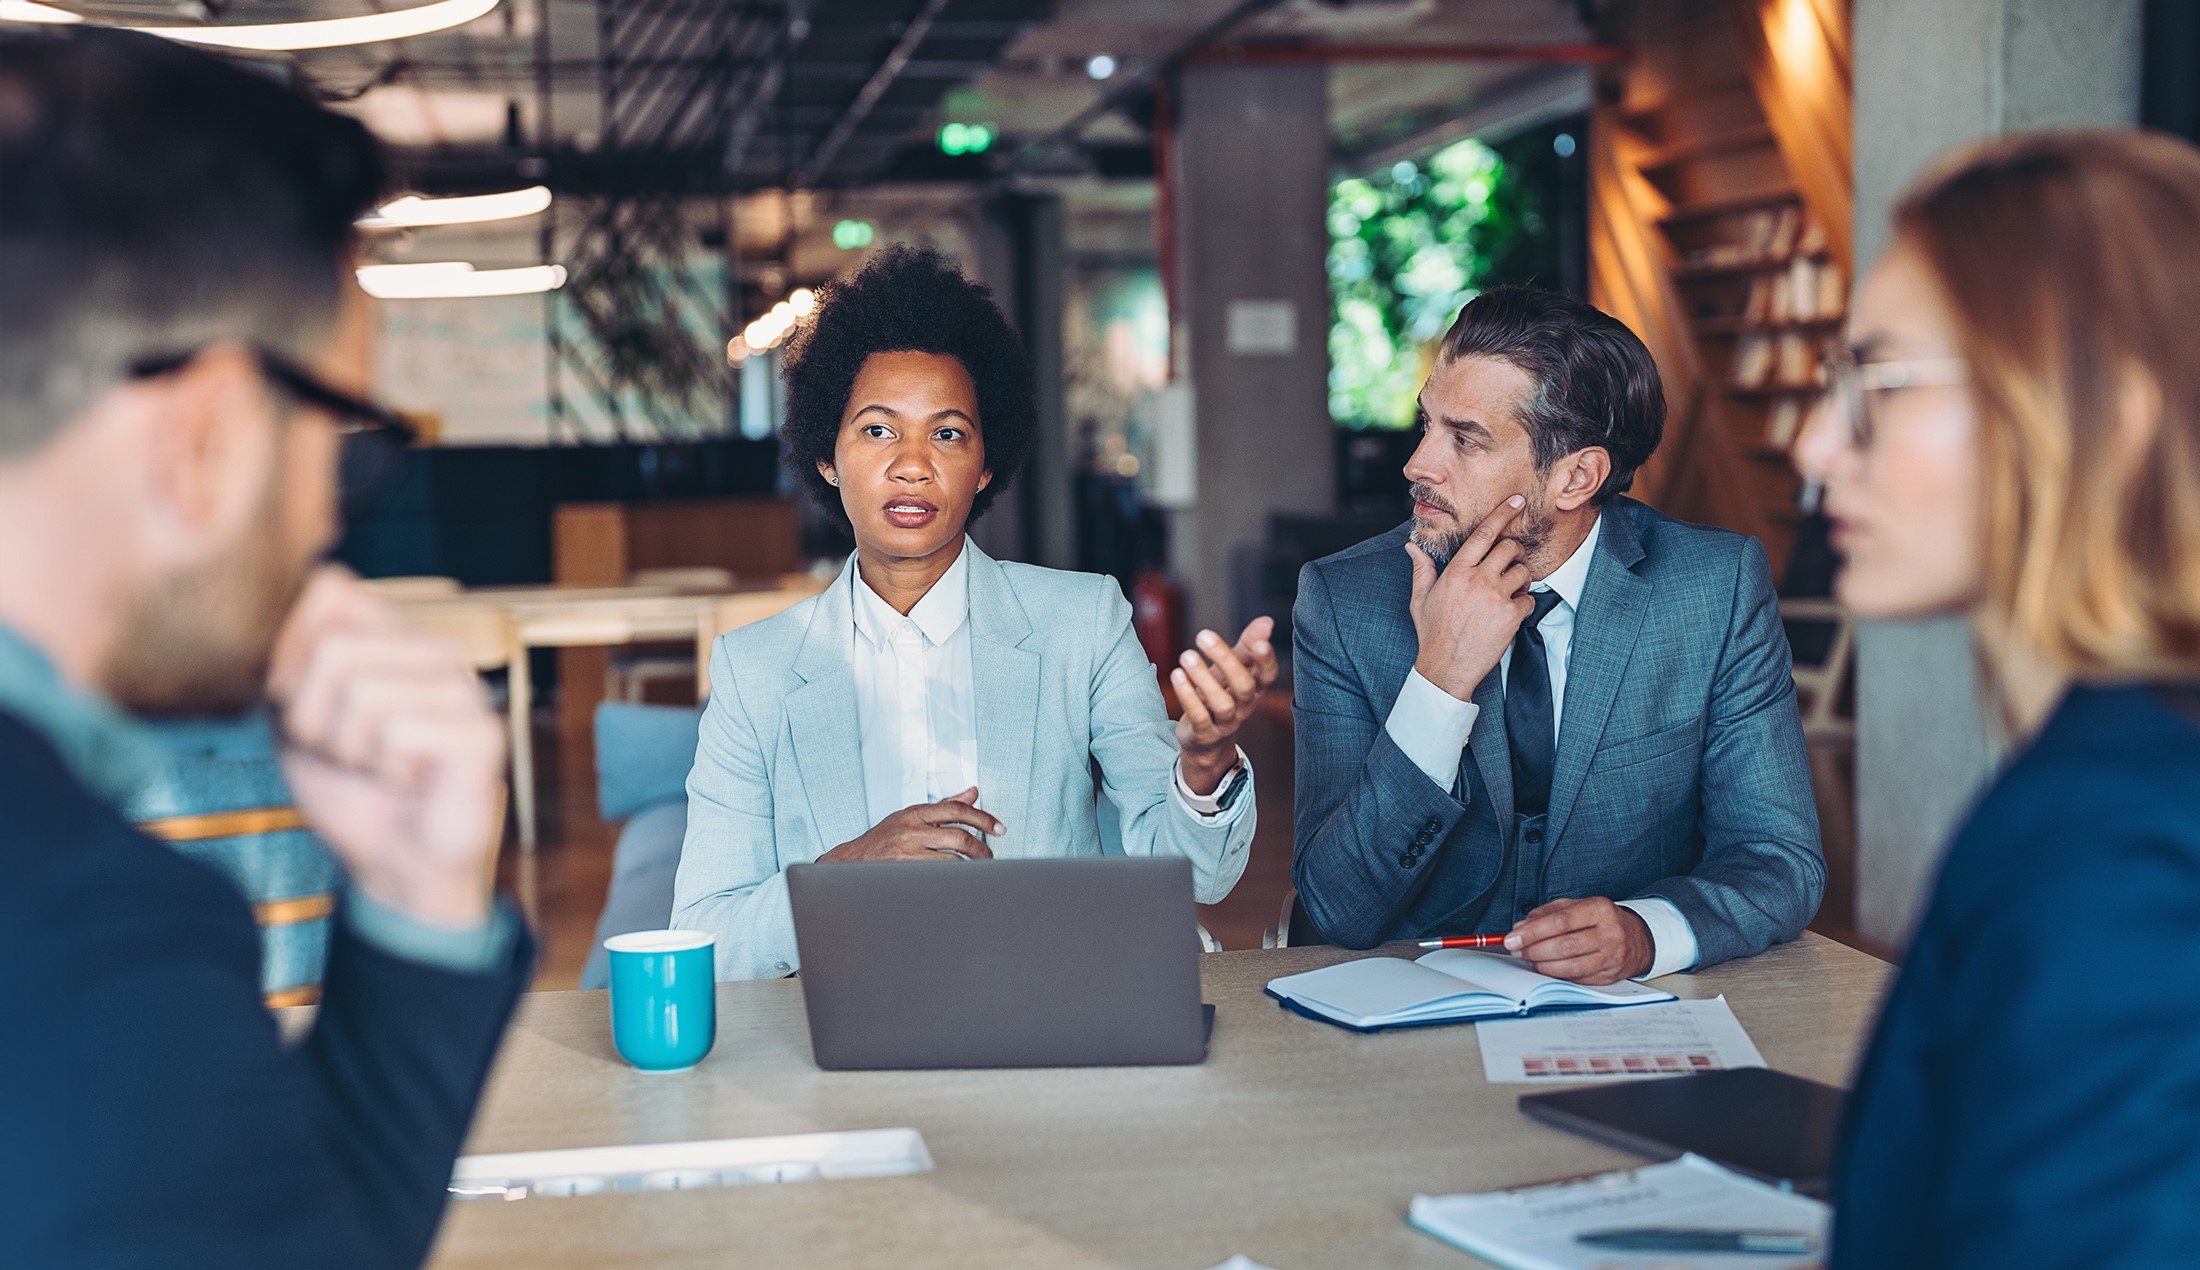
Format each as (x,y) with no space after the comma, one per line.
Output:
(372,437)
(1850,383)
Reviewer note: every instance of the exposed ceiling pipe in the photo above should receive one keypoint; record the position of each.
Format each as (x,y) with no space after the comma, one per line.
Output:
(1577,54)
(873,89)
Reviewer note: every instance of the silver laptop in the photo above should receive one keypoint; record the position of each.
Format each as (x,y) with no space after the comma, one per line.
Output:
(999,963)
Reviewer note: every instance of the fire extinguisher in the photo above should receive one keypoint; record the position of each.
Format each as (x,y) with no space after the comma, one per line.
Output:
(1157,614)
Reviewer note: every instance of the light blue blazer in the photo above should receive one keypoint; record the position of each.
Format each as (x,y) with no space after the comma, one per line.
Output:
(1061,684)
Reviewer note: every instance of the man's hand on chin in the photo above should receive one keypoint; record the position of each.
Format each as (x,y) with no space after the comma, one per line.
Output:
(1590,941)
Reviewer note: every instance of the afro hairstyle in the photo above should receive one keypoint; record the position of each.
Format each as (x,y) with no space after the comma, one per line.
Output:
(905,300)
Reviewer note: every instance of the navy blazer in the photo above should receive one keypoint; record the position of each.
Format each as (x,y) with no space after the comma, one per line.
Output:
(2032,1095)
(150,1114)
(1680,765)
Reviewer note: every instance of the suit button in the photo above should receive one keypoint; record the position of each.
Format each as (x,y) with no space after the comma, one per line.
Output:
(1422,838)
(1433,827)
(1535,835)
(1408,860)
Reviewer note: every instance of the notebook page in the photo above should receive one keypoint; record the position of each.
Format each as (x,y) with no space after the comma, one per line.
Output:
(1534,1229)
(1509,977)
(1373,987)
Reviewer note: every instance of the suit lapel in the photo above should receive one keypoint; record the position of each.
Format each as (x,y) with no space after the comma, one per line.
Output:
(1612,607)
(1486,745)
(821,717)
(1005,687)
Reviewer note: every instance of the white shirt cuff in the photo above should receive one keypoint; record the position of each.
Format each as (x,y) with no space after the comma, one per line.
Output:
(1672,942)
(1201,807)
(1432,727)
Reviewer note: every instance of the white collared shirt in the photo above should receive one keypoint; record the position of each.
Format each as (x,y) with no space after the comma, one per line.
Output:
(916,708)
(1431,726)
(916,703)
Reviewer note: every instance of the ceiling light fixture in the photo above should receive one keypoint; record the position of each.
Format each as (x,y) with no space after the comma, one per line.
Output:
(456,279)
(472,209)
(31,11)
(276,37)
(777,323)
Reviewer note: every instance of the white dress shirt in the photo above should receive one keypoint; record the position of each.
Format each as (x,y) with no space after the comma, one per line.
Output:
(1431,726)
(916,707)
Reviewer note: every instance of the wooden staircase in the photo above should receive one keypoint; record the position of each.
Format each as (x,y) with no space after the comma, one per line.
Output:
(1720,231)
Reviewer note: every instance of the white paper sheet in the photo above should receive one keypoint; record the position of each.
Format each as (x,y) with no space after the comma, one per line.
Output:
(1669,1039)
(1534,1229)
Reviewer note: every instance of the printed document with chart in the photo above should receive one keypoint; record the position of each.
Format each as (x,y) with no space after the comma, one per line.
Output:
(1672,1038)
(1538,1227)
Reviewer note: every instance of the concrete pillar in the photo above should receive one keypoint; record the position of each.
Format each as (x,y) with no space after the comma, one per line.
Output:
(997,258)
(1931,76)
(1250,174)
(1048,499)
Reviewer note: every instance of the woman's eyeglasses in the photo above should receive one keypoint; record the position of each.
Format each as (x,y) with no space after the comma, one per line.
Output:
(1850,383)
(374,437)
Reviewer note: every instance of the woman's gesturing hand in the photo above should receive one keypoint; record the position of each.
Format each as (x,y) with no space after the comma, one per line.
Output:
(926,831)
(1217,692)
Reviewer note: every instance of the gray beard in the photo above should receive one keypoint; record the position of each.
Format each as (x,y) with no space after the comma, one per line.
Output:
(1531,529)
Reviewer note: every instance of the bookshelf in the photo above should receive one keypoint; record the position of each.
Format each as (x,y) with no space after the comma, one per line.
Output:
(1755,274)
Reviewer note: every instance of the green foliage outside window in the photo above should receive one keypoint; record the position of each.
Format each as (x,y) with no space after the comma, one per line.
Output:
(1407,248)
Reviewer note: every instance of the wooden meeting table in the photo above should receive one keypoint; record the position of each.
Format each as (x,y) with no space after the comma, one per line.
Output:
(1296,1144)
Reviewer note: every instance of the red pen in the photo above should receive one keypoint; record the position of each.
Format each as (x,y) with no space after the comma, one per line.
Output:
(1465,941)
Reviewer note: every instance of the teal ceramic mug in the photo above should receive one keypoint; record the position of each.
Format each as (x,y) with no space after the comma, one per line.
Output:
(664,1005)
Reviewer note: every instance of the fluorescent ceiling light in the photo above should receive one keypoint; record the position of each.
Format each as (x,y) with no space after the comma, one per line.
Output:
(368,28)
(326,33)
(413,210)
(31,11)
(454,279)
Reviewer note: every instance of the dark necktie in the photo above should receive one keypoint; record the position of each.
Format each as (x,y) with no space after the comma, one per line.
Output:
(1529,728)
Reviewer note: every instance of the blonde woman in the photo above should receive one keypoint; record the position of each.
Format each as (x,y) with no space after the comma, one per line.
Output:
(2015,437)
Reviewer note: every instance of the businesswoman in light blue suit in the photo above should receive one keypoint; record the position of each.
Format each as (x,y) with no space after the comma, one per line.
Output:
(935,704)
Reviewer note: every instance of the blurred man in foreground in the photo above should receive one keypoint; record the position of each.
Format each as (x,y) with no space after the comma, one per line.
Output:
(181,355)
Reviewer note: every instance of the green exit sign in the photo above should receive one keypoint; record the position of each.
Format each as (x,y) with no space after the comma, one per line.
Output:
(848,235)
(966,138)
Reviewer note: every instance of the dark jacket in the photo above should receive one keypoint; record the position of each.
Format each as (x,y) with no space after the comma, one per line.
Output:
(1680,771)
(150,1113)
(2032,1095)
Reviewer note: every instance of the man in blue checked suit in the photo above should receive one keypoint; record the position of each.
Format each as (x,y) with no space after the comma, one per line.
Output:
(1540,708)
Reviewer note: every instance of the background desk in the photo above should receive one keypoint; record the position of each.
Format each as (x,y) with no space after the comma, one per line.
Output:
(1297,1144)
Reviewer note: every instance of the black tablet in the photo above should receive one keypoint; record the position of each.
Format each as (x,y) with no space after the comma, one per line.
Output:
(1767,1124)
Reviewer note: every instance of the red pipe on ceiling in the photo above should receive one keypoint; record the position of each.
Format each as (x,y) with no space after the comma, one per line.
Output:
(1253,53)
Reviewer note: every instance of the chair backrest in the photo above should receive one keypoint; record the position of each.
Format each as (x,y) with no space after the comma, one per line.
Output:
(485,634)
(687,578)
(738,610)
(422,587)
(1818,684)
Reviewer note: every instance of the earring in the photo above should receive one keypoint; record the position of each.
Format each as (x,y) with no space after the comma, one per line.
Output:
(832,480)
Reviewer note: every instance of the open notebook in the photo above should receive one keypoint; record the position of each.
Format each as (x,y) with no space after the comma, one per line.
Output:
(1451,985)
